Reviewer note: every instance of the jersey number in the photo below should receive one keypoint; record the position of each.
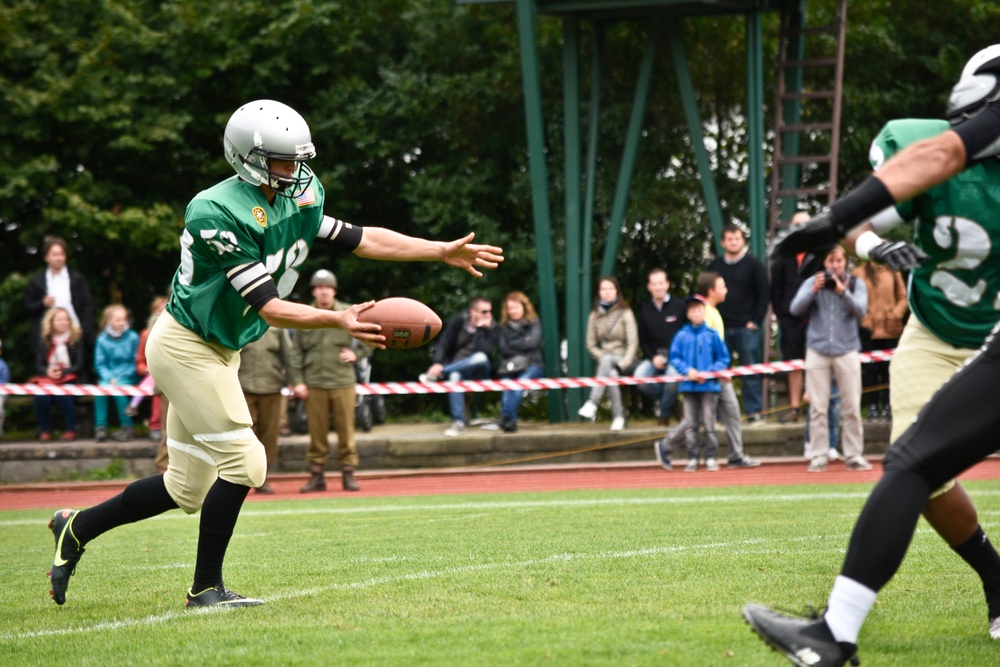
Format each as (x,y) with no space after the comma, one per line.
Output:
(972,246)
(226,242)
(293,257)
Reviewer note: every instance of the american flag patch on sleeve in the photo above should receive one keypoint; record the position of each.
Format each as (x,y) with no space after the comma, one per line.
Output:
(307,197)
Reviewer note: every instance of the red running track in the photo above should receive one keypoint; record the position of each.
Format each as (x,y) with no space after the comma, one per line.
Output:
(492,480)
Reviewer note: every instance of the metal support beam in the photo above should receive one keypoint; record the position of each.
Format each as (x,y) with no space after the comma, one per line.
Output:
(576,323)
(688,101)
(540,194)
(755,134)
(593,131)
(630,150)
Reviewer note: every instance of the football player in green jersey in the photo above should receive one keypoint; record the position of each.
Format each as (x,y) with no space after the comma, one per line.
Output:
(953,294)
(242,244)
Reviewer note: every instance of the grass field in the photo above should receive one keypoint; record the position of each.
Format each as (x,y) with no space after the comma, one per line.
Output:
(651,577)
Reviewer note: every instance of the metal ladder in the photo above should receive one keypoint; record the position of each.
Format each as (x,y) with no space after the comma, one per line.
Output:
(809,89)
(808,106)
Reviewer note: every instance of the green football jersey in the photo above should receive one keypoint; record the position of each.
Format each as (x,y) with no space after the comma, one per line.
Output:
(956,293)
(229,228)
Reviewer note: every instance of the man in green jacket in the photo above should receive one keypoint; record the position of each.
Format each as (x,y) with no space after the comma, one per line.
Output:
(323,375)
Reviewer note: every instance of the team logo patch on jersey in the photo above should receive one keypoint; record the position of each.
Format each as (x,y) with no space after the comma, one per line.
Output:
(260,215)
(307,197)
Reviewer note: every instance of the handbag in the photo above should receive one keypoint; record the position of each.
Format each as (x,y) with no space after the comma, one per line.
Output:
(516,364)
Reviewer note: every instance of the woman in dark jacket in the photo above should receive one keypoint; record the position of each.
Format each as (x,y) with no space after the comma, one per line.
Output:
(59,361)
(520,352)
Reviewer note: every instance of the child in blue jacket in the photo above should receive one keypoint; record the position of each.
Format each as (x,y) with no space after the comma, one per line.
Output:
(695,350)
(114,359)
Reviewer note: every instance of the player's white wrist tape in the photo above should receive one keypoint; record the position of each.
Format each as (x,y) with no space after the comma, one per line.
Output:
(865,243)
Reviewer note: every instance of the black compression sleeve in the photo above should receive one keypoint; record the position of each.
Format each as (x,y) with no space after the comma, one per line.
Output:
(861,203)
(980,131)
(340,232)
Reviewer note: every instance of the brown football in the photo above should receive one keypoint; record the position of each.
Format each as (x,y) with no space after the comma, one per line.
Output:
(405,323)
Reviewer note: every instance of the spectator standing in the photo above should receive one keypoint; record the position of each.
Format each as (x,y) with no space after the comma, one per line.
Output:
(323,374)
(743,312)
(265,369)
(114,359)
(520,343)
(785,282)
(698,349)
(881,328)
(59,285)
(659,320)
(612,340)
(4,379)
(712,288)
(463,353)
(60,361)
(834,302)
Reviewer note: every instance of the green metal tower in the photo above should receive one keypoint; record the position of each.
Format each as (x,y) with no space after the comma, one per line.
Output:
(662,20)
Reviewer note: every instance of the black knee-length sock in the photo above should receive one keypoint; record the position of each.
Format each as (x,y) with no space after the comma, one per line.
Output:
(142,499)
(978,552)
(218,518)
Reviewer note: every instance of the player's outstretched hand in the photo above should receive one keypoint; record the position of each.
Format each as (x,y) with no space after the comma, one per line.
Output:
(898,255)
(818,235)
(368,332)
(464,254)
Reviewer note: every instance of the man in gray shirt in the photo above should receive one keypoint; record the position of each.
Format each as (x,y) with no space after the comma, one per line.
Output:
(834,302)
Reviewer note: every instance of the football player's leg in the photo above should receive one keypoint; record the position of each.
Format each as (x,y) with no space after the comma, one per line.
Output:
(921,364)
(951,434)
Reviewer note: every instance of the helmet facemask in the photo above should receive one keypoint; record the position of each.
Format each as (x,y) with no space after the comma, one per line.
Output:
(259,161)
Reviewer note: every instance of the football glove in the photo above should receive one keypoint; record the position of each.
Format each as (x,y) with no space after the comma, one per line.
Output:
(898,255)
(817,235)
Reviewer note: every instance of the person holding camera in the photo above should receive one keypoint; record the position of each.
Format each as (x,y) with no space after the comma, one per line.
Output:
(834,302)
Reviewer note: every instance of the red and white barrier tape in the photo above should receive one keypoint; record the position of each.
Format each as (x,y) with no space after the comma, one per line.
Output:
(464,386)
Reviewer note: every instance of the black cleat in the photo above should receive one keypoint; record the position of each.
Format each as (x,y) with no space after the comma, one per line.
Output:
(68,552)
(219,596)
(806,642)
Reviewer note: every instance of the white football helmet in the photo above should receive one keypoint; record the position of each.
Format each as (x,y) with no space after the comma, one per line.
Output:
(978,87)
(263,130)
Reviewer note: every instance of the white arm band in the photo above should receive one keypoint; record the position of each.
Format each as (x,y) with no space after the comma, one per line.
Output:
(865,243)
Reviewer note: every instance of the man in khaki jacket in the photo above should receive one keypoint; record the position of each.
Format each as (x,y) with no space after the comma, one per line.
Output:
(323,375)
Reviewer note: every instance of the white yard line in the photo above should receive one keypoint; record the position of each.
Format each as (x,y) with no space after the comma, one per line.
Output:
(122,624)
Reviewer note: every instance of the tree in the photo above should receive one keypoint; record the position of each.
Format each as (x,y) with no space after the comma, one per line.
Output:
(114,113)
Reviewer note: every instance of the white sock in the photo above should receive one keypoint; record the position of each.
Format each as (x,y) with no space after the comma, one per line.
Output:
(847,609)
